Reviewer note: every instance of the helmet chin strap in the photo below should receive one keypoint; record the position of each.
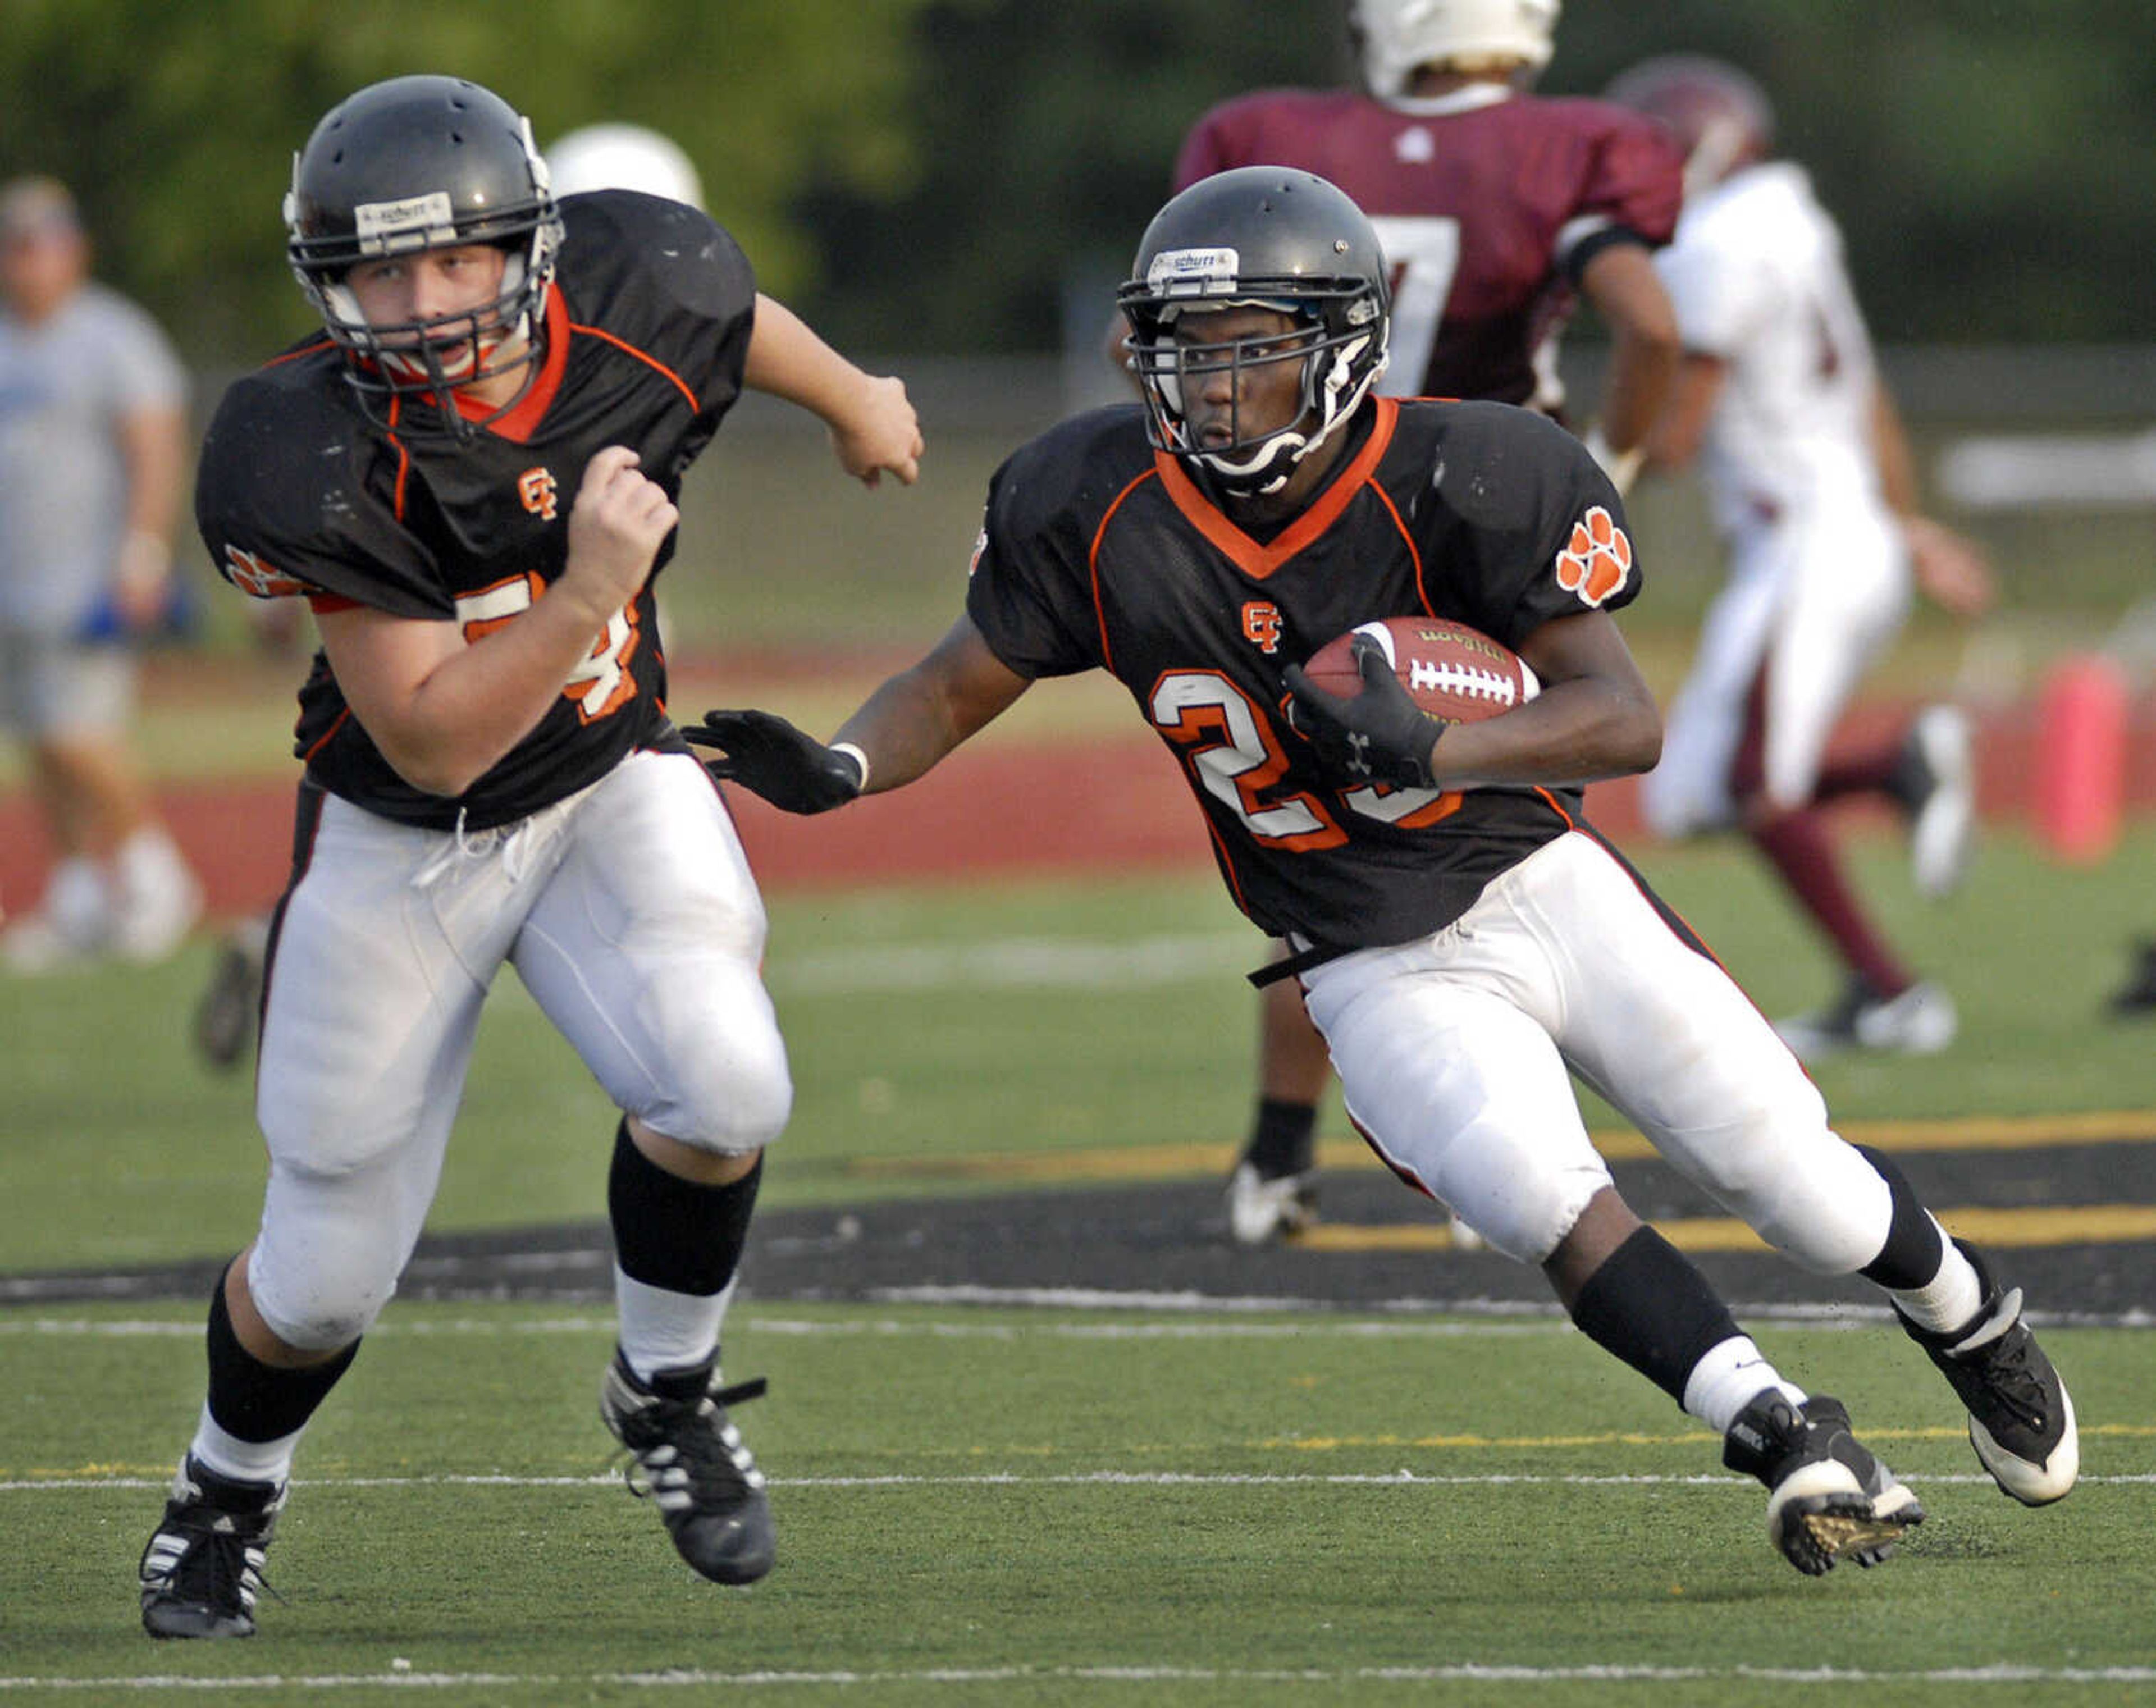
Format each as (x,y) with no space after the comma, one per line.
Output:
(1273,464)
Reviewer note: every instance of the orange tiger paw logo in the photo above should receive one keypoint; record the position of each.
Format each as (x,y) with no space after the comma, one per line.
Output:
(1596,561)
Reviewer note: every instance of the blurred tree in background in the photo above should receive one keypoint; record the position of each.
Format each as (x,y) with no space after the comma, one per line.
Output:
(176,124)
(971,176)
(1993,166)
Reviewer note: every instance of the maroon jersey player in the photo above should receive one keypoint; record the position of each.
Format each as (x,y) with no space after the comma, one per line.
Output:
(1493,207)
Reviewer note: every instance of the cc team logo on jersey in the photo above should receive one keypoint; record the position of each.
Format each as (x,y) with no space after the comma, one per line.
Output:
(1596,561)
(1261,625)
(540,493)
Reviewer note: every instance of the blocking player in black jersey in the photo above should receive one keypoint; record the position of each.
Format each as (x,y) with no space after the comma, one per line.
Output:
(1463,936)
(471,479)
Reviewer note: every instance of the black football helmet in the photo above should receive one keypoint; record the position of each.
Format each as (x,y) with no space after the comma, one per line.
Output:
(1264,237)
(1720,117)
(421,163)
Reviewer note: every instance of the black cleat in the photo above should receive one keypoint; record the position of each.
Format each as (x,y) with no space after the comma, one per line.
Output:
(2020,1416)
(695,1464)
(226,1012)
(202,1569)
(2137,995)
(1828,1497)
(1919,1021)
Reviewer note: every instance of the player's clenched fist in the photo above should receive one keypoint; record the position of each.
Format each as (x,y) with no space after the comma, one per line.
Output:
(881,432)
(617,524)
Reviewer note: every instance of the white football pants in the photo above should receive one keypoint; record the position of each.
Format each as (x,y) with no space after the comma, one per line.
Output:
(1453,1052)
(1813,598)
(628,912)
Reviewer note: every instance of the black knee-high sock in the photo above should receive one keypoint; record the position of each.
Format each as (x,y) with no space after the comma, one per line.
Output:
(1282,1137)
(1650,1306)
(1914,1248)
(252,1401)
(672,1233)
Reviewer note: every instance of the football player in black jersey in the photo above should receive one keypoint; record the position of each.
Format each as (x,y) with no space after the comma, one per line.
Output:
(471,479)
(1463,935)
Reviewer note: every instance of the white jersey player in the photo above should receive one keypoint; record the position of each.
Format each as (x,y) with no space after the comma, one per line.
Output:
(1809,478)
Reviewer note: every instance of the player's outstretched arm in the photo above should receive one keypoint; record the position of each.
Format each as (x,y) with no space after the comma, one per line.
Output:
(770,758)
(900,732)
(872,422)
(1950,569)
(1681,429)
(1621,282)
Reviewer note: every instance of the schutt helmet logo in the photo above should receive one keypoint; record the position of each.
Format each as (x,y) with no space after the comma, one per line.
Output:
(1596,561)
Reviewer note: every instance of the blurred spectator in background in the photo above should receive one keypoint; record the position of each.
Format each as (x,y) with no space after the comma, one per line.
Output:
(1814,489)
(609,157)
(1497,209)
(92,457)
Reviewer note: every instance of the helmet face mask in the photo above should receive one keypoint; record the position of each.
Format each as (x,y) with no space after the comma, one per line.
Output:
(1395,38)
(1257,238)
(408,166)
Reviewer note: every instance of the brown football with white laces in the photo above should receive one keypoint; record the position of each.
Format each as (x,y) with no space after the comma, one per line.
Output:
(1453,672)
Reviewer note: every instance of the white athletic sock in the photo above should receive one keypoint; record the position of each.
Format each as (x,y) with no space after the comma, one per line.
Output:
(242,1461)
(1728,1378)
(666,1330)
(79,901)
(1950,1298)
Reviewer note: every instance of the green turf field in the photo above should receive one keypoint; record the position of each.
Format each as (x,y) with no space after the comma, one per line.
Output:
(987,1506)
(981,1507)
(931,1024)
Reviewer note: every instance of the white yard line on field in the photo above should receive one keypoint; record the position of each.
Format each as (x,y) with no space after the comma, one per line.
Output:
(1459,1672)
(1207,1319)
(62,1482)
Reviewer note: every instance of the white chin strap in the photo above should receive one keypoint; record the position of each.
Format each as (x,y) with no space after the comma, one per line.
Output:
(1269,467)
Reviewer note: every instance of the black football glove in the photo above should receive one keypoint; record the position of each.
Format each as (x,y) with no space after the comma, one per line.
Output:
(1379,735)
(769,756)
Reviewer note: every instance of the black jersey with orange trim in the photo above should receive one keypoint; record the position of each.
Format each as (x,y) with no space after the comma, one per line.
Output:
(1098,553)
(300,493)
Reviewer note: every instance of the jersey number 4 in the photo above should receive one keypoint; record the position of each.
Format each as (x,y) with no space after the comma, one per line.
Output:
(1233,754)
(601,685)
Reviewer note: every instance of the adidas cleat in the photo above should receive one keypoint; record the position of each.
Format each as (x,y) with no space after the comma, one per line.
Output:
(201,1570)
(694,1465)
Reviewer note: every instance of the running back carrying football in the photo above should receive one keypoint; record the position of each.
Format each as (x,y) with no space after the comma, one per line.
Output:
(1456,674)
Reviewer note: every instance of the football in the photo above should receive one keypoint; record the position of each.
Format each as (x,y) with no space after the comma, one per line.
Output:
(1455,673)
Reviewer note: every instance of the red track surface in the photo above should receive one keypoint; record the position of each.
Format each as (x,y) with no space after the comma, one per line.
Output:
(1005,809)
